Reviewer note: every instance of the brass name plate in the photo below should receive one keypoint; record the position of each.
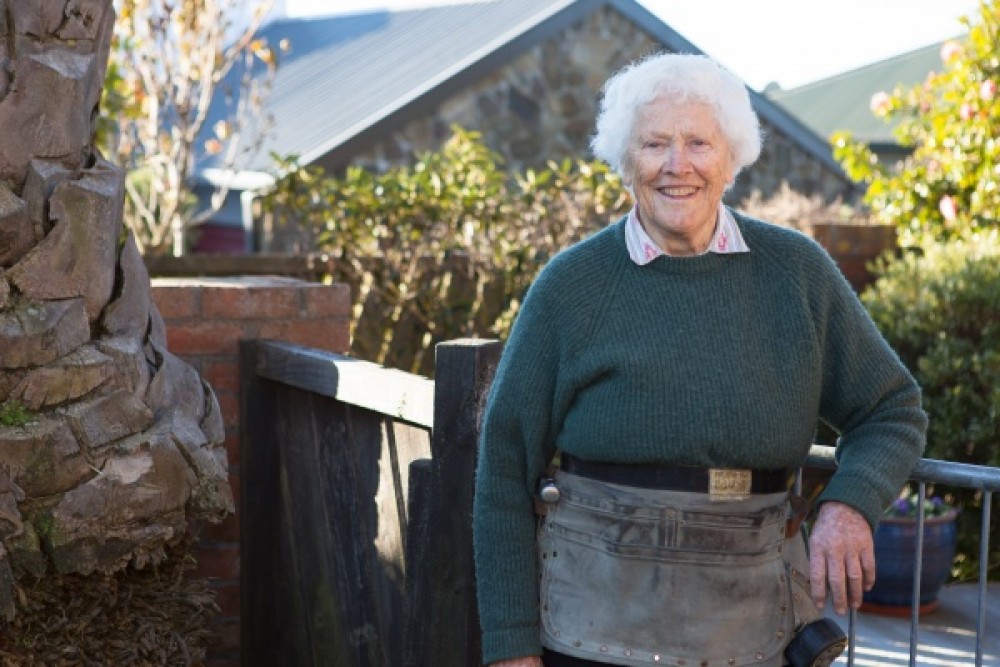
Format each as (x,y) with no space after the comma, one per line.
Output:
(724,484)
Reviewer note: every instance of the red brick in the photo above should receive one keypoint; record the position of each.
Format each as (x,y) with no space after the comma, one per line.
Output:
(233,446)
(229,405)
(250,303)
(227,596)
(217,561)
(222,375)
(327,300)
(205,337)
(227,530)
(234,483)
(225,659)
(332,334)
(176,301)
(224,649)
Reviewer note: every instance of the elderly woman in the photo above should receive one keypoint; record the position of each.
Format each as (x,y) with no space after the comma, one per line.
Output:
(679,362)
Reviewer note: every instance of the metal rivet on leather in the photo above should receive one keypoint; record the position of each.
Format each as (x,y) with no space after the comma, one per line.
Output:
(628,653)
(604,649)
(759,656)
(656,658)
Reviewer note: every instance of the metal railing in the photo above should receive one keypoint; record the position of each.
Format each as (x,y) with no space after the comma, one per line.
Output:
(930,471)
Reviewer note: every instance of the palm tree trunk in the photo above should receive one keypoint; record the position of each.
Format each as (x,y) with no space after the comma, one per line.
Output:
(109,444)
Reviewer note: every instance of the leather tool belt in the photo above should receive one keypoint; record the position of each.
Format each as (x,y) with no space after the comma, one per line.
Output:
(714,481)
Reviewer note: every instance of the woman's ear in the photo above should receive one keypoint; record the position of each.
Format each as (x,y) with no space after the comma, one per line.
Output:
(626,172)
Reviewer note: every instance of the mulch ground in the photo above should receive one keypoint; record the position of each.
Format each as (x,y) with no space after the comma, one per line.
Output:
(149,617)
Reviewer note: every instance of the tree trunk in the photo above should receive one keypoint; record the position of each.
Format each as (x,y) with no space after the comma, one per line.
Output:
(108,443)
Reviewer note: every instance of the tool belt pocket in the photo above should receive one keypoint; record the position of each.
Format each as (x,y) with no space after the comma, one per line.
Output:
(636,577)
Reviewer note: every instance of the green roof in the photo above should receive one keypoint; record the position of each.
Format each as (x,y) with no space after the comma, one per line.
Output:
(842,102)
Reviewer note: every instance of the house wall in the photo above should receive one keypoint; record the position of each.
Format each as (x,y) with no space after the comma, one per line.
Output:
(542,106)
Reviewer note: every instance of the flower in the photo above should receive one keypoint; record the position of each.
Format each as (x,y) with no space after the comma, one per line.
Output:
(906,506)
(880,103)
(988,89)
(950,50)
(948,208)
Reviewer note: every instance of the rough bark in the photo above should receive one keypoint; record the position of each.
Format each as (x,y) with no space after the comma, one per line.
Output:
(109,443)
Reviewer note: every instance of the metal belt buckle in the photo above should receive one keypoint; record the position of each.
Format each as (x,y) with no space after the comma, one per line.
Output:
(727,484)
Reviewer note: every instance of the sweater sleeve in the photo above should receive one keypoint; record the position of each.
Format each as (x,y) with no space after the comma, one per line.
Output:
(514,448)
(870,397)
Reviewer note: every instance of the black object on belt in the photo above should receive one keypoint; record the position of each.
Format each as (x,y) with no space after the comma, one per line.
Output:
(672,477)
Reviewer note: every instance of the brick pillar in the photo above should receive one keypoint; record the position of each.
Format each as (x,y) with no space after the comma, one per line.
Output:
(205,320)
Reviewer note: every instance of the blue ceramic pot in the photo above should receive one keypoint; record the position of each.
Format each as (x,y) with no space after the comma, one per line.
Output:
(895,550)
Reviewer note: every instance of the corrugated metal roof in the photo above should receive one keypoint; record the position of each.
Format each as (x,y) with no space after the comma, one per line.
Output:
(842,102)
(347,74)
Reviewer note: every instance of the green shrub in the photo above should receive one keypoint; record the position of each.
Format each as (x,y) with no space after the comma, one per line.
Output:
(940,309)
(445,248)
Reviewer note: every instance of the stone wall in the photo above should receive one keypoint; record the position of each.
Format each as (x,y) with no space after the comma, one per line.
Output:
(205,319)
(542,106)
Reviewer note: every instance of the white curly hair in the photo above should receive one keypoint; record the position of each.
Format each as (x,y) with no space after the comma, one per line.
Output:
(682,77)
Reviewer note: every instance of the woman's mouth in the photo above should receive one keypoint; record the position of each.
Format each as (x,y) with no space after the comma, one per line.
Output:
(678,191)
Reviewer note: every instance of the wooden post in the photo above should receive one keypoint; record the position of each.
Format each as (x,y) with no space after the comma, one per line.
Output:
(442,620)
(258,549)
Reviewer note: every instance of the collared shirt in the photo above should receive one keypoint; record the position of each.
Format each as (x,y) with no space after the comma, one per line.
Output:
(726,239)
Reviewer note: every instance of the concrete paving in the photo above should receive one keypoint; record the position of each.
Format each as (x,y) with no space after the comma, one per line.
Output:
(946,637)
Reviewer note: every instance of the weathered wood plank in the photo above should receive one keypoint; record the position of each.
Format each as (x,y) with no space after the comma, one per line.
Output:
(344,590)
(400,395)
(259,571)
(418,581)
(443,623)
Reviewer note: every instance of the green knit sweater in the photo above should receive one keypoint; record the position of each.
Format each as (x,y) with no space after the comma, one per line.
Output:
(713,360)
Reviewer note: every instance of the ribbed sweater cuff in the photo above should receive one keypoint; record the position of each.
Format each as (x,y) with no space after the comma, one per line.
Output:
(511,643)
(854,492)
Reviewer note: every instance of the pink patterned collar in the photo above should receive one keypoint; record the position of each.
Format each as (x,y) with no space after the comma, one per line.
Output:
(726,240)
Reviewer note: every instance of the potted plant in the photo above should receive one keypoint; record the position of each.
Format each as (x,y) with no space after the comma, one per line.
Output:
(896,550)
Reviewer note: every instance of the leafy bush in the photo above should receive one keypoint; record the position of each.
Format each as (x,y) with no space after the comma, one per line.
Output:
(940,309)
(446,248)
(947,188)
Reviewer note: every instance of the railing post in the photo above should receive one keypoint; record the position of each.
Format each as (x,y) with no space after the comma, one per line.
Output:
(442,621)
(258,520)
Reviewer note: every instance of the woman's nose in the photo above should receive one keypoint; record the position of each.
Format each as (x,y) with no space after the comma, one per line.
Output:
(675,160)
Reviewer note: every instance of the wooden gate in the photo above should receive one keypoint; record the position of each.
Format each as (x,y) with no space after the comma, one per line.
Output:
(356,507)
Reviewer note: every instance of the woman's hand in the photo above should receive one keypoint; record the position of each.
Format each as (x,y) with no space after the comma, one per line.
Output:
(529,661)
(841,553)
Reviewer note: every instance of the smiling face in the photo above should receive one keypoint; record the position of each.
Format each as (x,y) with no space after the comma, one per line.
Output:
(678,167)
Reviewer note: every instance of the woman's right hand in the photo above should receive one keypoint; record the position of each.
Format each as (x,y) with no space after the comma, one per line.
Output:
(529,661)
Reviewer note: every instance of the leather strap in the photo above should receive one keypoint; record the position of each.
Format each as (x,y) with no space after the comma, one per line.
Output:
(672,477)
